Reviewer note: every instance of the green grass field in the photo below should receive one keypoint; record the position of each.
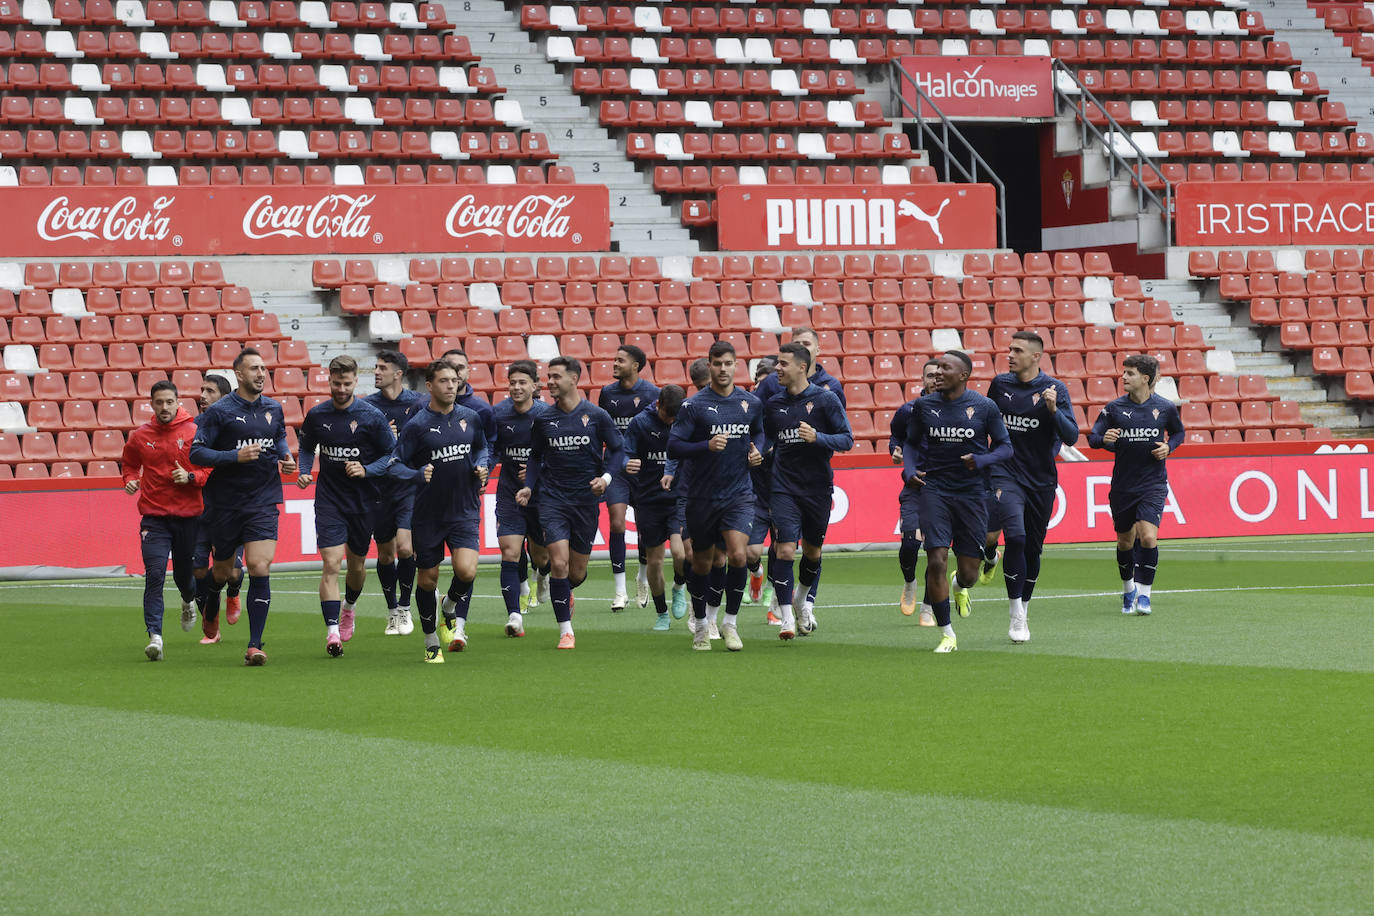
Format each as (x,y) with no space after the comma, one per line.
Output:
(1215,757)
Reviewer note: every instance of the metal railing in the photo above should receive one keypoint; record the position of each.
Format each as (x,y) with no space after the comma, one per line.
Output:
(1080,102)
(943,135)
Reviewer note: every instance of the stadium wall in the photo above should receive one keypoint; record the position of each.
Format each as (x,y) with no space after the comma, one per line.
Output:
(90,526)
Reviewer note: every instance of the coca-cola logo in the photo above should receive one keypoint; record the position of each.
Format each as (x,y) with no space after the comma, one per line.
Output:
(333,216)
(534,216)
(123,221)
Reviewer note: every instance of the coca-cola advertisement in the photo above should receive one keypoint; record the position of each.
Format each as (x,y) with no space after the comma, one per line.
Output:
(975,88)
(140,221)
(929,216)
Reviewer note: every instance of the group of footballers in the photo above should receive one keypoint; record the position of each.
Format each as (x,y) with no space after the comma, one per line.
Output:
(712,476)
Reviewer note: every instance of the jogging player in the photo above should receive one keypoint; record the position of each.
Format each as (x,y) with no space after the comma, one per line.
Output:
(444,449)
(761,585)
(575,453)
(721,431)
(1142,429)
(243,438)
(517,524)
(956,434)
(805,426)
(1039,418)
(356,444)
(624,399)
(156,465)
(908,505)
(396,497)
(213,387)
(648,467)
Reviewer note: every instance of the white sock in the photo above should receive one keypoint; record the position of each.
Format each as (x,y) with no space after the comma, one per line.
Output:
(642,577)
(1128,586)
(713,614)
(787,614)
(1025,606)
(1015,608)
(731,620)
(619,582)
(524,588)
(1144,590)
(947,629)
(333,629)
(432,640)
(449,606)
(345,606)
(564,627)
(460,625)
(954,586)
(926,608)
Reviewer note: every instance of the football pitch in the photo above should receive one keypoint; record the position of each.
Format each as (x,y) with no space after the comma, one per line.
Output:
(1215,757)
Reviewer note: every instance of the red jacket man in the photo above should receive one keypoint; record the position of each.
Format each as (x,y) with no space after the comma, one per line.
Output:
(157,465)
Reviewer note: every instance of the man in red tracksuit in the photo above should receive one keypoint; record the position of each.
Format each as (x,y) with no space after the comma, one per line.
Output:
(157,465)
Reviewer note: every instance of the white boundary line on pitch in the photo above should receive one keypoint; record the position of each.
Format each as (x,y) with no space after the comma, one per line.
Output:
(1059,597)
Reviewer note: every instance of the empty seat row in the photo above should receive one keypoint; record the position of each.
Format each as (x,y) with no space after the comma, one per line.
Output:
(96,44)
(782,113)
(227,14)
(110,274)
(704,81)
(329,274)
(1213,264)
(671,179)
(181,111)
(129,301)
(128,384)
(194,175)
(61,357)
(1205,112)
(1175,172)
(241,77)
(133,329)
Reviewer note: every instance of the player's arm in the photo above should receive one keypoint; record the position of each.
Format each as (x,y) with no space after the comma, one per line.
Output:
(1097,436)
(404,454)
(385,441)
(1001,442)
(757,436)
(683,441)
(897,431)
(912,453)
(488,418)
(132,463)
(201,452)
(630,442)
(535,464)
(1174,427)
(842,440)
(307,441)
(1064,422)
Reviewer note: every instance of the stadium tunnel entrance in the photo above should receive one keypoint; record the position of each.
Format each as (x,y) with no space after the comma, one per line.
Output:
(1012,151)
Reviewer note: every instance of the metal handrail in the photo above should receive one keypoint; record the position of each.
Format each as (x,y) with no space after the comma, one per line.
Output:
(941,140)
(1079,104)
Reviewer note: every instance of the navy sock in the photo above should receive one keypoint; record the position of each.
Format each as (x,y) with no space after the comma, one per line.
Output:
(351,594)
(715,586)
(510,585)
(941,609)
(908,555)
(736,578)
(405,578)
(1125,564)
(524,563)
(235,583)
(641,556)
(696,587)
(203,594)
(545,570)
(1014,566)
(661,603)
(213,590)
(755,566)
(782,580)
(427,603)
(330,610)
(259,603)
(1032,573)
(1146,560)
(560,592)
(807,570)
(990,553)
(679,579)
(386,576)
(617,549)
(460,593)
(771,568)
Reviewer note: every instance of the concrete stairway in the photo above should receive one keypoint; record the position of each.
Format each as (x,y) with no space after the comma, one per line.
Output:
(643,223)
(1344,77)
(1194,303)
